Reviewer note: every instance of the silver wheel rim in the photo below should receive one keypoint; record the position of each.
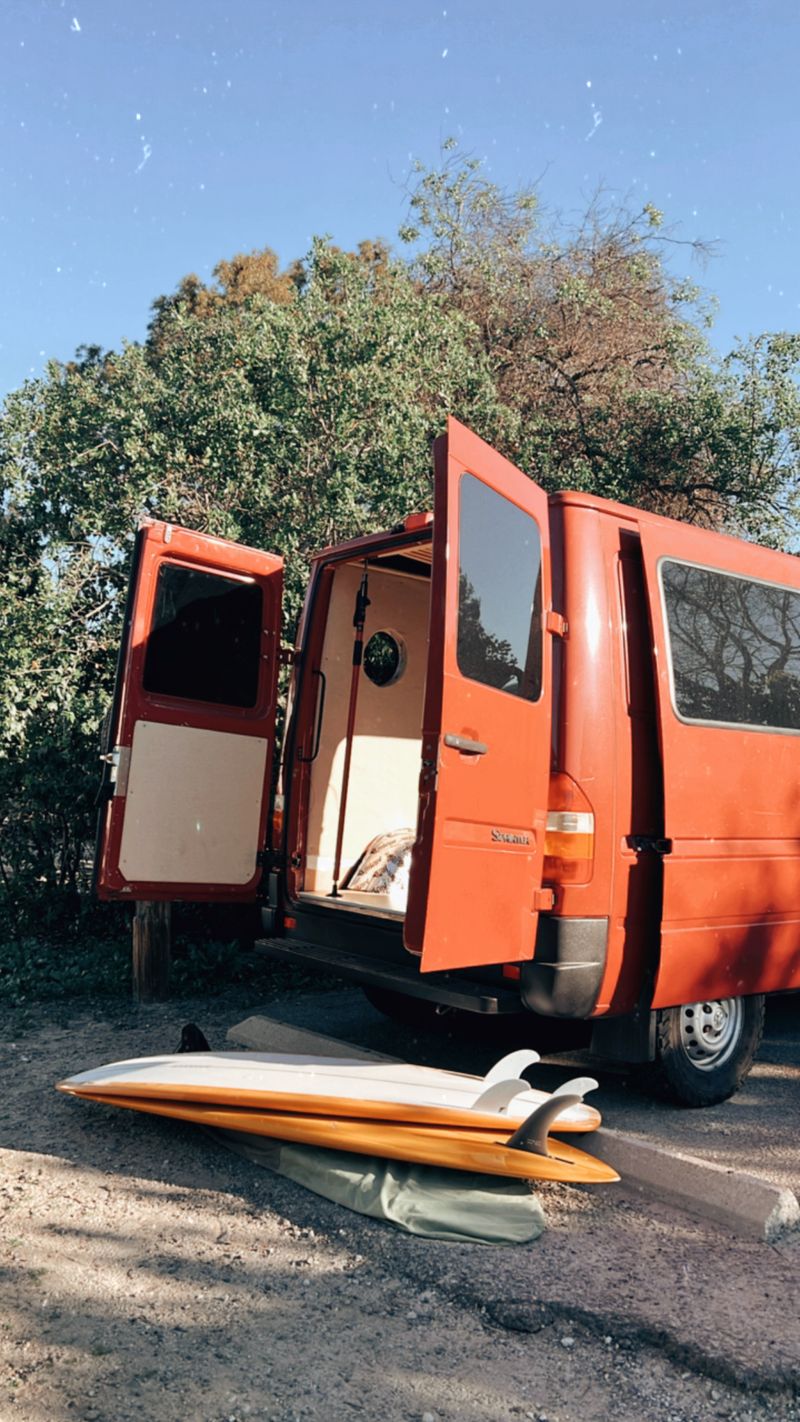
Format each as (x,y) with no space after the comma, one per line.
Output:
(710,1031)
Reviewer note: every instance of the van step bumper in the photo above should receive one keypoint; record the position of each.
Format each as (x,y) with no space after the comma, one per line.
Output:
(566,973)
(466,994)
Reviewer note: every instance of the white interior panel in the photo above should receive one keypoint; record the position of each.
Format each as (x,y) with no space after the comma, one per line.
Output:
(193,805)
(384,771)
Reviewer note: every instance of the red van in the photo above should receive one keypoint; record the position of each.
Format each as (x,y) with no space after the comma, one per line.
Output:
(541,752)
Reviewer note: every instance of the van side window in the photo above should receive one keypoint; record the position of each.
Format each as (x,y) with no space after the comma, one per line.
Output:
(734,646)
(499,592)
(205,637)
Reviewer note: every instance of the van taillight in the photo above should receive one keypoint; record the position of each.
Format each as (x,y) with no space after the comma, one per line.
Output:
(277,821)
(569,837)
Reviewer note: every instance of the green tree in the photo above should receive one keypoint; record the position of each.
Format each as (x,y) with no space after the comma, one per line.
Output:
(234,282)
(599,355)
(292,409)
(285,424)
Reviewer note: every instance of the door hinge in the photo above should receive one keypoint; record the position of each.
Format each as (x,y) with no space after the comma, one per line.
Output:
(118,761)
(287,656)
(556,623)
(648,844)
(544,900)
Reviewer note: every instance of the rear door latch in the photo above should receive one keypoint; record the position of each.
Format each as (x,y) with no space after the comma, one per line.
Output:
(648,844)
(543,900)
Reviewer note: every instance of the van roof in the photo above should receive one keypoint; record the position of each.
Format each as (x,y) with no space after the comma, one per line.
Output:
(577,498)
(565,498)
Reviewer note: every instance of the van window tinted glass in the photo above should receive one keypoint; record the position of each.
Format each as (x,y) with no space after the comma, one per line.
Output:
(735,647)
(499,592)
(205,638)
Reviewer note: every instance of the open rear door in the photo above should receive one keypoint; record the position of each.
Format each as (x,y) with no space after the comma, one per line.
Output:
(726,631)
(477,864)
(193,721)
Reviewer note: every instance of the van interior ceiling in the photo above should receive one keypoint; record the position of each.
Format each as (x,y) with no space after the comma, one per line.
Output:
(369,807)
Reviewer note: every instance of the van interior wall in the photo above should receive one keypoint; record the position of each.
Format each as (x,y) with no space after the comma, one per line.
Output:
(384,770)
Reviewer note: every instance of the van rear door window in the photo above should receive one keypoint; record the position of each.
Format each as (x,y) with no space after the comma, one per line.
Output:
(734,646)
(499,592)
(205,637)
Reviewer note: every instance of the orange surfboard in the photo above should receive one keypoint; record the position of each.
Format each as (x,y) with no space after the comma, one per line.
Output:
(486,1152)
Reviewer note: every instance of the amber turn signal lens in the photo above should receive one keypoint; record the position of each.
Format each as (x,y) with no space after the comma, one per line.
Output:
(569,836)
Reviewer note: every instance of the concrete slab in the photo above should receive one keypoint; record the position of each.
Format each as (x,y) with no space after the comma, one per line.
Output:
(741,1203)
(266,1034)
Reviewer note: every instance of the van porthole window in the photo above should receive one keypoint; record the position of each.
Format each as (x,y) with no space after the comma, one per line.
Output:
(384,658)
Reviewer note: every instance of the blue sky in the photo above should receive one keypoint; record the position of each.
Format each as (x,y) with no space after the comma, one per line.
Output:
(144,140)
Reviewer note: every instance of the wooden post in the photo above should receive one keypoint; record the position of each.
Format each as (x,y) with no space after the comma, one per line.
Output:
(151,951)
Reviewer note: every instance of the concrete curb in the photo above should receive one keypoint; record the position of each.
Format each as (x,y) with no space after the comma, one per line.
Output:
(740,1203)
(264,1034)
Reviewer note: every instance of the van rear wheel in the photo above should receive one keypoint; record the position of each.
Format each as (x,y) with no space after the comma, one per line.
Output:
(706,1049)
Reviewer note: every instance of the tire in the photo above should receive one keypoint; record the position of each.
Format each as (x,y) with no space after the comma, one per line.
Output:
(706,1049)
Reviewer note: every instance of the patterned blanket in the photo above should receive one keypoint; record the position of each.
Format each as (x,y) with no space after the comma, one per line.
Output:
(384,867)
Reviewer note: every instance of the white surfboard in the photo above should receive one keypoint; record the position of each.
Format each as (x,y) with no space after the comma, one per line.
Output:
(315,1085)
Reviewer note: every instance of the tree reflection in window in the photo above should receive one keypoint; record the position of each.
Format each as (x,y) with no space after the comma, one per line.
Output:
(499,592)
(735,647)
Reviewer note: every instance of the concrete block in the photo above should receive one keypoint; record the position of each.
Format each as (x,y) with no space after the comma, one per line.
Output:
(264,1034)
(741,1203)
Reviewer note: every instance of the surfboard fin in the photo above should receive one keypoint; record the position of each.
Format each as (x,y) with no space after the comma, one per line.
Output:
(192,1040)
(579,1085)
(500,1094)
(532,1134)
(511,1066)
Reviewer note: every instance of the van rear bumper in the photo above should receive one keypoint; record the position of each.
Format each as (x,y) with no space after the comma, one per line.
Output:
(451,990)
(565,975)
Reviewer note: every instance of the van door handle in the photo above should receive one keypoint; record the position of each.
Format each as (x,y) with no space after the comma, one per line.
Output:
(465,745)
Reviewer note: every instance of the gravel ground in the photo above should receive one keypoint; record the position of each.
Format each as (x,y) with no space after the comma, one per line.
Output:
(148,1273)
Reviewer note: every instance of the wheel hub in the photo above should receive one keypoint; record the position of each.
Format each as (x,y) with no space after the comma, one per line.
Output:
(710,1031)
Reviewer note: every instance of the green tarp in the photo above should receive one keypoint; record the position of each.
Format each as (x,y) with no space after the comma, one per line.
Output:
(421,1199)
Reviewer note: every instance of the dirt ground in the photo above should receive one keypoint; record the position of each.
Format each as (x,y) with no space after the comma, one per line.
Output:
(148,1273)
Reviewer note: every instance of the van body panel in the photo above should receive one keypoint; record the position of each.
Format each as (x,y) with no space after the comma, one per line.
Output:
(584,748)
(187,782)
(477,858)
(731,909)
(635,902)
(605,736)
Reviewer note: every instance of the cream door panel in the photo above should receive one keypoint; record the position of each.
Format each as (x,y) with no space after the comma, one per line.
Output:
(200,794)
